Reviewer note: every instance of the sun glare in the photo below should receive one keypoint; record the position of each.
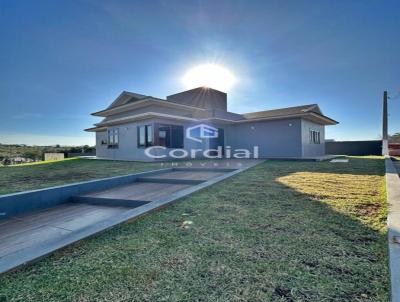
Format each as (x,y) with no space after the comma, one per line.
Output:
(209,75)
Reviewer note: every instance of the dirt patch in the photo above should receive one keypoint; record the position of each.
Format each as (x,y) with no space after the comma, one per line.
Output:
(283,293)
(368,209)
(338,270)
(310,264)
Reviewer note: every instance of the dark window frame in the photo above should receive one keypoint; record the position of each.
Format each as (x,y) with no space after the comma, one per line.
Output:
(113,138)
(148,136)
(174,138)
(315,137)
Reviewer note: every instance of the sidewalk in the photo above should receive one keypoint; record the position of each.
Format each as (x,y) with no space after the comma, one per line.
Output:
(393,221)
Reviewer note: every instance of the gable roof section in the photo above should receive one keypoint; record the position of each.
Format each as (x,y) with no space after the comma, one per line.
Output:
(124,105)
(102,126)
(126,97)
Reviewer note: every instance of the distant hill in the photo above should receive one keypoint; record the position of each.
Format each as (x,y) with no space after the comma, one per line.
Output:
(36,152)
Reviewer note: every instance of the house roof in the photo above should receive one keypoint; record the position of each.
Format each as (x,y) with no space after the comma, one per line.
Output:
(283,111)
(126,97)
(130,101)
(102,126)
(135,103)
(312,111)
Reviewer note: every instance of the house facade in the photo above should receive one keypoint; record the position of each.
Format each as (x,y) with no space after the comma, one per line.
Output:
(145,128)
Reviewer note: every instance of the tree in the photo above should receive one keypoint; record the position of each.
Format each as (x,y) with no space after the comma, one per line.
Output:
(33,154)
(395,138)
(6,161)
(88,149)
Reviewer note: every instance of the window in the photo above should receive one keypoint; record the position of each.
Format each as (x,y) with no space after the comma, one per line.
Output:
(112,138)
(315,137)
(164,136)
(169,136)
(142,136)
(145,136)
(150,135)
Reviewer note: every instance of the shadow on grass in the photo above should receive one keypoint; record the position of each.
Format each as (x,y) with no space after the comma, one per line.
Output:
(254,237)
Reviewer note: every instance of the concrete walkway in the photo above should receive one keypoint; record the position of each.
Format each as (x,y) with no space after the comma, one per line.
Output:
(36,228)
(26,237)
(393,221)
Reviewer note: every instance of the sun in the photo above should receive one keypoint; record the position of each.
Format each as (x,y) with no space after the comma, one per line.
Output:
(211,76)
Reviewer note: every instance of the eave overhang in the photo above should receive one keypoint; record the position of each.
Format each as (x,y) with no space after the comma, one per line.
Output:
(311,116)
(96,129)
(143,103)
(144,116)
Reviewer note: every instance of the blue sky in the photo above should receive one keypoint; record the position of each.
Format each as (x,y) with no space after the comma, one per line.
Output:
(62,60)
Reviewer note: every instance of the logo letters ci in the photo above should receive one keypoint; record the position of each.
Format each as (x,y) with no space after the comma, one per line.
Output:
(205,131)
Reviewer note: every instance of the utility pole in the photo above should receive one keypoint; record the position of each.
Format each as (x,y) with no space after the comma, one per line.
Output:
(385,144)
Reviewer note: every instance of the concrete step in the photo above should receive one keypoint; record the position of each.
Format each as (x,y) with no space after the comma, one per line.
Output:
(111,202)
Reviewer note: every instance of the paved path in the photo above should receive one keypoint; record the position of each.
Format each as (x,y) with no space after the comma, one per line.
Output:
(39,227)
(140,191)
(27,237)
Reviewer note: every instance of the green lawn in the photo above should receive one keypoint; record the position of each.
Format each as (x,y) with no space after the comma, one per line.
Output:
(281,231)
(53,173)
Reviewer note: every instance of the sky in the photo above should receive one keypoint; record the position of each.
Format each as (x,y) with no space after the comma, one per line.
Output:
(62,60)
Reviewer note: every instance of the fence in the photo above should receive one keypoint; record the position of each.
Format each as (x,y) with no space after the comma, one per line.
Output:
(394,149)
(354,148)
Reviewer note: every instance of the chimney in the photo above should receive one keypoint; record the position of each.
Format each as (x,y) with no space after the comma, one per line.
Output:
(202,97)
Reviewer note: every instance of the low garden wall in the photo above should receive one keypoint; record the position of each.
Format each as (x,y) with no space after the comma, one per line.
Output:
(19,203)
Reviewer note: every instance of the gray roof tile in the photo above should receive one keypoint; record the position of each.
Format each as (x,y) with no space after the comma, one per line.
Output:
(284,112)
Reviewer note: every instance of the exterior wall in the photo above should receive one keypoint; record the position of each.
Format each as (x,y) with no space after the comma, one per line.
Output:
(308,148)
(101,150)
(127,145)
(279,138)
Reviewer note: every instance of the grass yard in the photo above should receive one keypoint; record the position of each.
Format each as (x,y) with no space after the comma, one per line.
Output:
(281,231)
(53,173)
